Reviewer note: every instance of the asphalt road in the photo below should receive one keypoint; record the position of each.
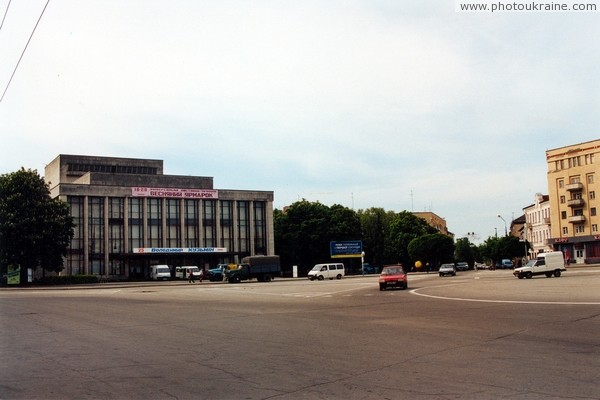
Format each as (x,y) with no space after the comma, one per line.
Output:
(479,335)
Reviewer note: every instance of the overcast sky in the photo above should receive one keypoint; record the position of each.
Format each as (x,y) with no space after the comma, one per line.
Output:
(404,105)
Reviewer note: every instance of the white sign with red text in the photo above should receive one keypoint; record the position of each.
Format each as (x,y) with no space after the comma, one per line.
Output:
(175,193)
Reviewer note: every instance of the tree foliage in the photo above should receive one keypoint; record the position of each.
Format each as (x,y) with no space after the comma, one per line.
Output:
(464,251)
(433,249)
(303,232)
(35,230)
(498,248)
(403,228)
(375,226)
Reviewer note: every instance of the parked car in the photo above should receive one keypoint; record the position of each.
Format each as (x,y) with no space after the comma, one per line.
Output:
(506,264)
(368,269)
(462,266)
(447,269)
(393,276)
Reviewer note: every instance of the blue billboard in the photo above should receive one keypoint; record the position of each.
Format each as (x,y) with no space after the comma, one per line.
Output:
(346,248)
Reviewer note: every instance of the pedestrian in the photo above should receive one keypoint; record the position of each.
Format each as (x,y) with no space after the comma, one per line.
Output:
(191,276)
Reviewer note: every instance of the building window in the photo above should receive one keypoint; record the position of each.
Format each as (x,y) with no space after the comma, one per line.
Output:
(563,215)
(209,222)
(227,224)
(260,228)
(173,223)
(96,234)
(136,223)
(561,183)
(592,194)
(579,228)
(115,225)
(155,222)
(244,227)
(574,179)
(75,251)
(191,222)
(565,230)
(590,179)
(562,200)
(589,158)
(594,227)
(593,211)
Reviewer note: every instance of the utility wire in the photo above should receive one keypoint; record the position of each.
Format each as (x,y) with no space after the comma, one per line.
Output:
(5,12)
(24,49)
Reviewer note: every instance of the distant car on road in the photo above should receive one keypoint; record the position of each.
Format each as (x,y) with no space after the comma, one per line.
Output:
(447,269)
(506,264)
(462,266)
(393,276)
(369,269)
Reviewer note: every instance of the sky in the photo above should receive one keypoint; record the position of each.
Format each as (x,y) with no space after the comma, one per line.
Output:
(401,105)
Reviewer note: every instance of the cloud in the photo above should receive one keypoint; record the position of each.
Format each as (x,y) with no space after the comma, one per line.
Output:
(360,101)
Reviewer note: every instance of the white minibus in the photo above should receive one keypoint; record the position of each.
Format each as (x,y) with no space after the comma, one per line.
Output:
(330,271)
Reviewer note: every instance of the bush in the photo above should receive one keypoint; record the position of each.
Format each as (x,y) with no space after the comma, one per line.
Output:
(68,280)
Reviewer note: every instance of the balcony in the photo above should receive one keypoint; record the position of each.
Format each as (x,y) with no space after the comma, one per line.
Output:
(547,220)
(577,219)
(576,203)
(573,187)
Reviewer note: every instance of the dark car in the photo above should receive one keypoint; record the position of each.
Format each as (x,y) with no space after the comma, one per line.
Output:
(462,266)
(393,276)
(447,269)
(369,269)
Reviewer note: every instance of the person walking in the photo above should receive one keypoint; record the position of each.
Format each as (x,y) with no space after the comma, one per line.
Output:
(191,276)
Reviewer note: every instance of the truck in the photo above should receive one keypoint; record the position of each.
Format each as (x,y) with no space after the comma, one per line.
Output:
(549,264)
(263,268)
(216,274)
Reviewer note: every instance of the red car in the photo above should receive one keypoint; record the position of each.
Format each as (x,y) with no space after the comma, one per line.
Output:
(393,276)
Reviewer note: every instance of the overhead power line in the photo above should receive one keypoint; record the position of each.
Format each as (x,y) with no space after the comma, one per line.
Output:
(24,49)
(4,17)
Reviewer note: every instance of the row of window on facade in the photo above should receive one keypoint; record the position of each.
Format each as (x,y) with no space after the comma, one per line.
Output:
(156,222)
(573,162)
(114,169)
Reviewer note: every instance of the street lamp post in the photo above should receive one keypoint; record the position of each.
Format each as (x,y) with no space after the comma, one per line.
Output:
(362,262)
(505,230)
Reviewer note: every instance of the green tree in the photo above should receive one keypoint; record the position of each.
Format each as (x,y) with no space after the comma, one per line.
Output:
(433,249)
(35,230)
(464,251)
(375,224)
(305,229)
(404,227)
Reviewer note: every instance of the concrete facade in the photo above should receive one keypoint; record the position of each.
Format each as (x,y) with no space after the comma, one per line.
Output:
(128,215)
(573,189)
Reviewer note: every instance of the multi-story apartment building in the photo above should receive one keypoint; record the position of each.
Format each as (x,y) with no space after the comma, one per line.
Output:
(537,225)
(128,215)
(573,186)
(434,221)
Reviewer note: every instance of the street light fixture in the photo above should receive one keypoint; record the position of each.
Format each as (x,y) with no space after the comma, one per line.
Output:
(505,230)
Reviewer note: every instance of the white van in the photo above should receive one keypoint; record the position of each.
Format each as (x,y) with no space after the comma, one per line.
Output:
(160,272)
(322,271)
(551,263)
(183,272)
